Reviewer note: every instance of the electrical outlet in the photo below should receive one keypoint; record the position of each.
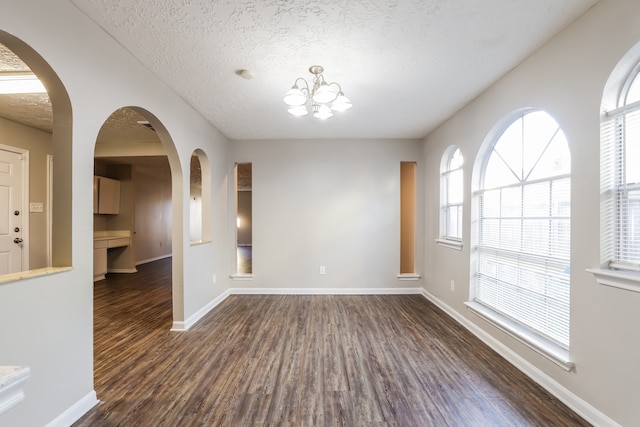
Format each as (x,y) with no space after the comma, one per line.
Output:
(214,278)
(323,270)
(453,285)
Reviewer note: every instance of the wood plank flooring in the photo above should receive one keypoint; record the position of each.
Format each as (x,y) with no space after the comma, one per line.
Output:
(275,360)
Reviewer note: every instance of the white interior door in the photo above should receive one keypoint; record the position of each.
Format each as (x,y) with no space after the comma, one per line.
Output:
(11,214)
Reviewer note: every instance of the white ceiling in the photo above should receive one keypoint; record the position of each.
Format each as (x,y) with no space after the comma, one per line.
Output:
(406,65)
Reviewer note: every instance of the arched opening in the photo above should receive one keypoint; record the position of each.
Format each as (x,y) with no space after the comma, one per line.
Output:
(134,238)
(200,198)
(36,123)
(135,150)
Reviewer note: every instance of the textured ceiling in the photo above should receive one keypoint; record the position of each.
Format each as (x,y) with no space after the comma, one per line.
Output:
(31,109)
(405,64)
(122,127)
(244,176)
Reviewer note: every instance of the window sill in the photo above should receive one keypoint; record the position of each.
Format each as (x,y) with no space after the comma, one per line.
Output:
(241,276)
(620,279)
(12,277)
(544,347)
(453,244)
(408,276)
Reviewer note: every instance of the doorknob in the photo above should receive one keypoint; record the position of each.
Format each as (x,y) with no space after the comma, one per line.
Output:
(17,240)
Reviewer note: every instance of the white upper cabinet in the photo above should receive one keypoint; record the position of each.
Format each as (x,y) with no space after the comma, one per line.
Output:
(106,195)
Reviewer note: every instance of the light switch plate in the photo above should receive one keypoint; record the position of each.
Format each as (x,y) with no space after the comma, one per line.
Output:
(36,207)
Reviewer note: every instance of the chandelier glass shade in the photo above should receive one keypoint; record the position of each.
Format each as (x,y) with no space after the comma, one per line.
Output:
(323,98)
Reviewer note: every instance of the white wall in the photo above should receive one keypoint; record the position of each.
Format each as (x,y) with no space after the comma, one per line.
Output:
(334,203)
(47,320)
(566,78)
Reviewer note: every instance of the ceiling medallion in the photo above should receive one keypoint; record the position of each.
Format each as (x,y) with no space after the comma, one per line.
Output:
(325,98)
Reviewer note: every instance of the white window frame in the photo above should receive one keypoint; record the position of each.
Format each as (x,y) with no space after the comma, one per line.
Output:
(617,268)
(447,170)
(554,350)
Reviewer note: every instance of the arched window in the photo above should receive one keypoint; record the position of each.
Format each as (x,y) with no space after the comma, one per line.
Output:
(522,252)
(451,196)
(620,178)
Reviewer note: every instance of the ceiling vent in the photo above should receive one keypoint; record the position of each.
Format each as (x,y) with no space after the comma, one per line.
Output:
(146,124)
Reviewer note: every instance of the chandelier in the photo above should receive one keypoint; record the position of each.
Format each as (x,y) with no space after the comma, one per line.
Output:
(325,98)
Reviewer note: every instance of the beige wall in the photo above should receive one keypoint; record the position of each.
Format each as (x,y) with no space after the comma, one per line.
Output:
(145,210)
(119,260)
(153,218)
(565,78)
(195,213)
(39,145)
(408,217)
(244,213)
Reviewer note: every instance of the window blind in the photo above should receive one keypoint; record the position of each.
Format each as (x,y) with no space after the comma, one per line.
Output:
(452,196)
(620,187)
(522,267)
(523,255)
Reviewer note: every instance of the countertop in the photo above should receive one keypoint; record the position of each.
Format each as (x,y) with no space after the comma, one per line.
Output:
(111,234)
(12,379)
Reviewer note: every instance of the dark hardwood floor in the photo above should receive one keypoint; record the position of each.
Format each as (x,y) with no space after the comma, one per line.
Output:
(299,361)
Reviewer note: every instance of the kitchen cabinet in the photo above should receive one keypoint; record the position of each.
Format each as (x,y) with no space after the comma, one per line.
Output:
(103,242)
(99,259)
(106,195)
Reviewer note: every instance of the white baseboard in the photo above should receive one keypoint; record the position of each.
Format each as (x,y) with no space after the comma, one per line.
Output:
(178,326)
(122,270)
(144,261)
(75,412)
(578,405)
(181,326)
(325,291)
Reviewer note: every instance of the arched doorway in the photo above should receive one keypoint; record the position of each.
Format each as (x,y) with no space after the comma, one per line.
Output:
(133,142)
